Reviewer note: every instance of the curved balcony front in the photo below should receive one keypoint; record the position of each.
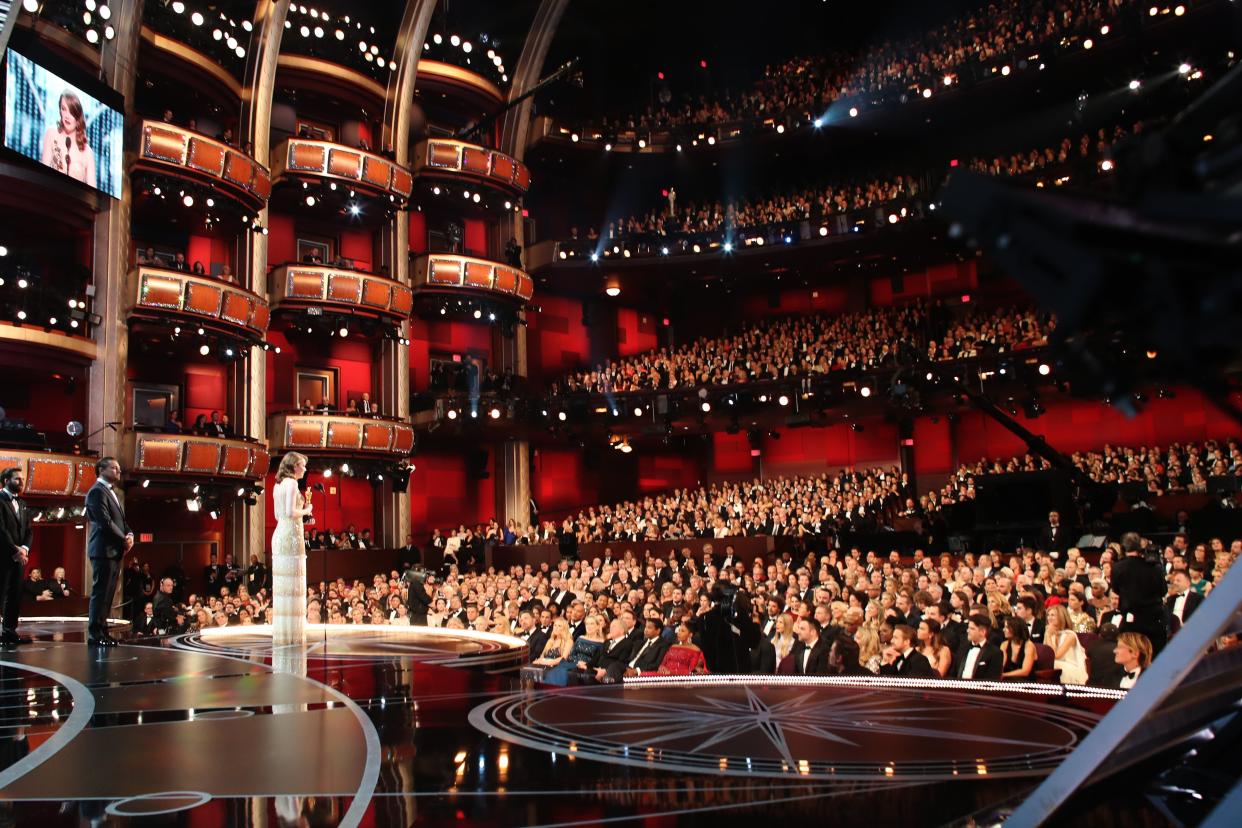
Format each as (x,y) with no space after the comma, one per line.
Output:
(156,454)
(51,475)
(302,286)
(450,273)
(458,160)
(305,159)
(29,338)
(174,295)
(471,88)
(341,435)
(168,149)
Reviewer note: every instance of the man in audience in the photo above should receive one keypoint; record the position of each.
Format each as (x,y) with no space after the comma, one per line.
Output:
(901,659)
(1182,600)
(978,659)
(1102,668)
(810,653)
(648,654)
(16,537)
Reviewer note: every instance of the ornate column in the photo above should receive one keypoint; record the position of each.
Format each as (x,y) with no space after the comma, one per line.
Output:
(114,287)
(513,458)
(393,368)
(248,383)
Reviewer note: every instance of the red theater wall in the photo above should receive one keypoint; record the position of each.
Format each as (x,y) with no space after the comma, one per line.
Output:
(636,331)
(556,339)
(352,360)
(443,494)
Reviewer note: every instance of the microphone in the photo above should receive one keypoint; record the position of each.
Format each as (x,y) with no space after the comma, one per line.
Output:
(68,143)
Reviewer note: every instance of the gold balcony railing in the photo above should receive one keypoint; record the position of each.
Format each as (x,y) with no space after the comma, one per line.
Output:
(308,285)
(49,475)
(180,152)
(450,272)
(303,158)
(444,157)
(166,455)
(340,435)
(164,293)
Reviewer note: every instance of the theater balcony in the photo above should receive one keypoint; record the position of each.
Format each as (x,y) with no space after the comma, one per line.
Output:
(175,298)
(467,276)
(444,159)
(331,165)
(341,435)
(169,154)
(153,455)
(320,290)
(52,478)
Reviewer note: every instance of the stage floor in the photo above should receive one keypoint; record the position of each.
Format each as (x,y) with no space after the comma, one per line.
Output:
(379,731)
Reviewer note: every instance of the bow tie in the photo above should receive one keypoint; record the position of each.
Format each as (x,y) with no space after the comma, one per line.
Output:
(1132,675)
(976,646)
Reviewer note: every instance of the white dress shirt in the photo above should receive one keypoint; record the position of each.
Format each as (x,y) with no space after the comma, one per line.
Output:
(972,657)
(1127,682)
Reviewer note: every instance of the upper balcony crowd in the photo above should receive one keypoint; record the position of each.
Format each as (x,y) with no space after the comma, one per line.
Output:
(816,345)
(970,47)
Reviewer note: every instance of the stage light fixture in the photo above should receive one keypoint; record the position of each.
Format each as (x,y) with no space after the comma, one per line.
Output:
(706,406)
(823,231)
(780,129)
(607,147)
(204,349)
(562,416)
(1184,69)
(865,391)
(452,414)
(327,472)
(310,201)
(595,257)
(188,200)
(853,112)
(193,504)
(146,483)
(728,247)
(574,137)
(478,314)
(1044,369)
(1005,70)
(355,210)
(344,468)
(197,18)
(642,143)
(343,332)
(817,123)
(494,413)
(783,400)
(948,80)
(927,93)
(1134,85)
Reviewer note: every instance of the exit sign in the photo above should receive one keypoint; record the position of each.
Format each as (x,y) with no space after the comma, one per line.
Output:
(146,537)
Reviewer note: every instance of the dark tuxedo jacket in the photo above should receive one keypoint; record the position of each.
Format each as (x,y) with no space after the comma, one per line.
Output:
(1193,600)
(914,665)
(650,658)
(613,661)
(15,528)
(147,625)
(108,526)
(536,642)
(987,667)
(763,658)
(1058,541)
(818,663)
(1037,630)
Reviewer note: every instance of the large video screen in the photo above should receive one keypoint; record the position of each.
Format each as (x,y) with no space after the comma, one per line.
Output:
(52,121)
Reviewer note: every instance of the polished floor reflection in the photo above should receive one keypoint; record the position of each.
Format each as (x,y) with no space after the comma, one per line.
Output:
(374,736)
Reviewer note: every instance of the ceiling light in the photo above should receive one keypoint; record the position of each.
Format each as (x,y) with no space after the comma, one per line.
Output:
(783,400)
(204,349)
(188,200)
(853,112)
(494,413)
(197,18)
(865,391)
(310,201)
(562,416)
(452,414)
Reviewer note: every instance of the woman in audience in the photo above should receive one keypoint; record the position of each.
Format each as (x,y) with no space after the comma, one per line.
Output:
(684,658)
(933,647)
(1018,651)
(868,640)
(1059,634)
(1080,616)
(583,650)
(784,639)
(559,645)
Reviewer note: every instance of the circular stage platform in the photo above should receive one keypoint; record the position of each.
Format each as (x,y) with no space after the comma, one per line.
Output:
(375,729)
(426,645)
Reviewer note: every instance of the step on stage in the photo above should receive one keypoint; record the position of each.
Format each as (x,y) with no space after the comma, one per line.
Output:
(391,726)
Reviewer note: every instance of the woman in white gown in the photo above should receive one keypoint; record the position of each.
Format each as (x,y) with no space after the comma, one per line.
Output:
(1071,660)
(289,554)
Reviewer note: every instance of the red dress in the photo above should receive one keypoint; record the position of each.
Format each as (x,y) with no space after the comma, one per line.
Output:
(682,661)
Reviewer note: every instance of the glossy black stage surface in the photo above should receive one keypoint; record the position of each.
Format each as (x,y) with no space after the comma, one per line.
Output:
(197,733)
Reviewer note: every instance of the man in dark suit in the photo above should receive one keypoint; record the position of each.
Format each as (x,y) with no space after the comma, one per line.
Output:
(418,598)
(1028,610)
(15,540)
(110,538)
(1054,538)
(147,624)
(901,659)
(213,577)
(763,657)
(1182,600)
(810,654)
(978,659)
(1102,667)
(650,652)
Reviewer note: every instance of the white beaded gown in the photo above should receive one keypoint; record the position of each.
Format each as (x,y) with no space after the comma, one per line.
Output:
(288,567)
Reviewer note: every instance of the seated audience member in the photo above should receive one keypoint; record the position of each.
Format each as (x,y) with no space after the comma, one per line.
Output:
(200,424)
(179,263)
(649,652)
(147,624)
(173,424)
(365,406)
(685,658)
(1018,650)
(843,658)
(1070,657)
(810,654)
(198,269)
(868,641)
(35,588)
(1102,669)
(59,585)
(933,648)
(306,406)
(979,659)
(902,660)
(609,664)
(584,649)
(226,274)
(560,644)
(1133,656)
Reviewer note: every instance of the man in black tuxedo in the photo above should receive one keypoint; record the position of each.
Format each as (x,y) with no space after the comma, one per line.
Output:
(901,659)
(110,538)
(978,659)
(418,598)
(810,653)
(1028,610)
(1102,667)
(15,540)
(147,624)
(1182,600)
(650,652)
(1054,538)
(213,577)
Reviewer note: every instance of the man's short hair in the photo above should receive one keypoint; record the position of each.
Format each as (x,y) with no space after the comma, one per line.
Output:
(907,632)
(1131,542)
(102,463)
(981,620)
(8,475)
(1030,603)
